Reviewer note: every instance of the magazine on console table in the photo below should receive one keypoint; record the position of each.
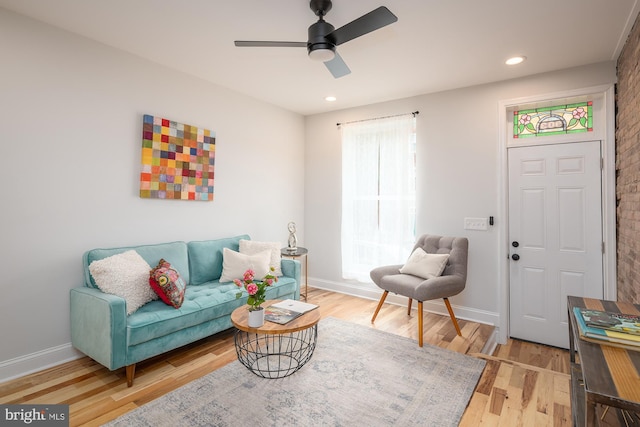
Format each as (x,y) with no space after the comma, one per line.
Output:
(617,322)
(604,336)
(285,311)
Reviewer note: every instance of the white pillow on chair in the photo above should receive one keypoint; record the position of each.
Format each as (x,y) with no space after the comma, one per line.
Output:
(425,265)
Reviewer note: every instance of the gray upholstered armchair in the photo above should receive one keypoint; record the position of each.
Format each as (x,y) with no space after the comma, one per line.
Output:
(451,282)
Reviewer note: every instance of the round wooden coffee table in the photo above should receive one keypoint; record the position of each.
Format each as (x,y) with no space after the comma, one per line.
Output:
(274,350)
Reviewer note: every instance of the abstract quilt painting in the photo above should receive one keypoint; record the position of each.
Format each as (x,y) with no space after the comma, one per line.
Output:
(177,160)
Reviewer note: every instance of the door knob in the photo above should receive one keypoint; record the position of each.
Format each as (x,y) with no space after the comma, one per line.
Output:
(515,244)
(515,257)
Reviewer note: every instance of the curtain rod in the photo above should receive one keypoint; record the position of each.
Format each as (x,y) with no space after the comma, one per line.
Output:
(414,113)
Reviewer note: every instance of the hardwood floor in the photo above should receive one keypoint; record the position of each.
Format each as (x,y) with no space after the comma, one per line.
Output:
(523,383)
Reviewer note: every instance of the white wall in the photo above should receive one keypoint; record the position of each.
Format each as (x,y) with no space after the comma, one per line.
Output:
(458,172)
(71,118)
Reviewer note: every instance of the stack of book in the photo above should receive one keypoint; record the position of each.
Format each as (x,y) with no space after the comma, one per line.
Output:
(604,327)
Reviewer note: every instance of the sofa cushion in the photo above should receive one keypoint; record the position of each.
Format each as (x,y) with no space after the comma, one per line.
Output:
(205,258)
(235,264)
(201,304)
(167,284)
(175,253)
(252,247)
(125,275)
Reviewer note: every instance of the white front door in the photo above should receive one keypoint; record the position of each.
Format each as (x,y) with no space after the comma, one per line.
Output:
(555,236)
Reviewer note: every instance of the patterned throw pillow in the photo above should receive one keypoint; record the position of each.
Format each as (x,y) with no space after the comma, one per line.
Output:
(167,283)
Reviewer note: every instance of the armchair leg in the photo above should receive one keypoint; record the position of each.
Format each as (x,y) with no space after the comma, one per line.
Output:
(420,324)
(131,371)
(382,298)
(453,317)
(409,307)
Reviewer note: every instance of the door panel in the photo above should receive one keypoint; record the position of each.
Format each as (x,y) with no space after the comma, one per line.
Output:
(571,205)
(555,218)
(532,214)
(535,307)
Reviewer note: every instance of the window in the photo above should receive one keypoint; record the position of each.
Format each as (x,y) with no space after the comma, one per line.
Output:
(556,120)
(378,194)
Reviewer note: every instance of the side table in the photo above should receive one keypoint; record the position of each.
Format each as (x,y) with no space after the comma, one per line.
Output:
(604,375)
(274,350)
(299,252)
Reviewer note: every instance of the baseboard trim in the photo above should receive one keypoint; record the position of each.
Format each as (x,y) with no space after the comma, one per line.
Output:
(38,361)
(47,358)
(492,343)
(371,291)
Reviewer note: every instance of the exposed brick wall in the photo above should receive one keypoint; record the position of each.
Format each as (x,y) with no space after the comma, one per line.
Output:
(628,168)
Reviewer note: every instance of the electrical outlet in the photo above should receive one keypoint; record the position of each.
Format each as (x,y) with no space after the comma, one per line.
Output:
(476,224)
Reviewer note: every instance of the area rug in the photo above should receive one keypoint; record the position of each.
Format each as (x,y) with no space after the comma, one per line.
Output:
(358,376)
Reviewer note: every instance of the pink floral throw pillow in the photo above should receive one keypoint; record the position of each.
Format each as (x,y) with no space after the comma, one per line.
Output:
(167,283)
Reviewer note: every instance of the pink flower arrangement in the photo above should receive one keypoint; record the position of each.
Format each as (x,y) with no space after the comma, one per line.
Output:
(255,289)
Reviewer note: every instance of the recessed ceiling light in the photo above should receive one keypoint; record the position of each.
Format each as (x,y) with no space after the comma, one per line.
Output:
(330,98)
(515,60)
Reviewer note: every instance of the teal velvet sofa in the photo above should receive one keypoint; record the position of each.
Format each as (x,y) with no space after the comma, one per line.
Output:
(101,329)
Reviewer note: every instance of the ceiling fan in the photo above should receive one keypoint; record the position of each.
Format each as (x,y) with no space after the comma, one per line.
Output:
(323,37)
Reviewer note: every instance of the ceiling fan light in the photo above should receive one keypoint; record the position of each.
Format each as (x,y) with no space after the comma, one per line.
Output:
(322,55)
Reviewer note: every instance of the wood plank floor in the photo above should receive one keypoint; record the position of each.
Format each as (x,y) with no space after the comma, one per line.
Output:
(523,384)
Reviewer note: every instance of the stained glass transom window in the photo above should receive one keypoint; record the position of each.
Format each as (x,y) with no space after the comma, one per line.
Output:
(556,120)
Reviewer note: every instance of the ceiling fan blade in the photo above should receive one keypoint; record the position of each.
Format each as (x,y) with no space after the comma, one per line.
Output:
(367,23)
(244,43)
(337,67)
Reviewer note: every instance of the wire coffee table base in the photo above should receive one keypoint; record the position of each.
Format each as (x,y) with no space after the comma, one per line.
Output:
(275,355)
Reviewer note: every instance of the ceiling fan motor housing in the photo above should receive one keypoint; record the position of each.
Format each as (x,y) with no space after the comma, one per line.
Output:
(319,36)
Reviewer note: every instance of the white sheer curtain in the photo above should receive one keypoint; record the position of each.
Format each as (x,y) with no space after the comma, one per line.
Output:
(378,194)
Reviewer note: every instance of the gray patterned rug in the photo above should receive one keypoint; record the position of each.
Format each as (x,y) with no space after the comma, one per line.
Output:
(358,376)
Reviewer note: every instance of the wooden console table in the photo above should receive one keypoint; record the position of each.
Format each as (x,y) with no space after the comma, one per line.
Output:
(604,375)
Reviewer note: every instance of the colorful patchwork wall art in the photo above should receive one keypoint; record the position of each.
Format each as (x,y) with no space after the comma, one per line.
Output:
(177,160)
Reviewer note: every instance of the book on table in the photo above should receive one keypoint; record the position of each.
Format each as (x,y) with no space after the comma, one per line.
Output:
(285,311)
(617,322)
(603,336)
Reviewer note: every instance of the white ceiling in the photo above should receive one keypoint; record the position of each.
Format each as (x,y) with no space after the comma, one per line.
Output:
(434,46)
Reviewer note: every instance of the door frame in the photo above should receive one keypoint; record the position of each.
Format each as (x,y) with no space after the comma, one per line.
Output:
(606,133)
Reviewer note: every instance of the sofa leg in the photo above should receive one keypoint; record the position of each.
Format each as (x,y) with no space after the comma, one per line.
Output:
(453,316)
(409,307)
(131,371)
(382,298)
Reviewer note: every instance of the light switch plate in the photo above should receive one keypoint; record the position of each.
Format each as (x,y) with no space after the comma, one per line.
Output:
(476,224)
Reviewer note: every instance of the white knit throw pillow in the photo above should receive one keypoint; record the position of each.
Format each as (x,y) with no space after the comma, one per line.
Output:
(125,275)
